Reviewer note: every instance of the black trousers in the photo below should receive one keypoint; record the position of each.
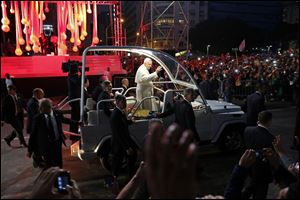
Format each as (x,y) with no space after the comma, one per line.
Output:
(260,177)
(256,189)
(53,156)
(75,115)
(118,158)
(18,125)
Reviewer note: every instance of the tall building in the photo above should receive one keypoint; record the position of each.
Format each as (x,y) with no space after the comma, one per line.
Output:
(162,25)
(260,14)
(290,12)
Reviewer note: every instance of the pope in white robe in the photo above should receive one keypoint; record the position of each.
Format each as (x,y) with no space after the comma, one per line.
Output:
(144,83)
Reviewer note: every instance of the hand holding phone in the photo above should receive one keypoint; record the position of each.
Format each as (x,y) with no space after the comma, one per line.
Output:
(55,183)
(62,180)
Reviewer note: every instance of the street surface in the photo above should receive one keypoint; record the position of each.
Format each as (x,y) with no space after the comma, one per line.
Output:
(18,174)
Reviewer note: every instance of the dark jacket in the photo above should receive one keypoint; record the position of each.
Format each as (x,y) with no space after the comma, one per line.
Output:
(32,110)
(40,137)
(236,183)
(254,105)
(86,95)
(46,150)
(121,139)
(8,113)
(96,92)
(74,84)
(258,138)
(206,90)
(106,106)
(184,115)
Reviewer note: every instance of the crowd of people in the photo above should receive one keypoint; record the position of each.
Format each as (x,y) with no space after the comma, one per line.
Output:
(170,155)
(238,76)
(229,76)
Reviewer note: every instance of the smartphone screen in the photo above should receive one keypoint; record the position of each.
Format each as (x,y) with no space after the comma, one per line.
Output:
(62,181)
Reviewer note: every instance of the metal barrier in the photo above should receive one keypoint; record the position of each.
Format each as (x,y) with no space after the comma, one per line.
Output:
(146,98)
(111,100)
(63,101)
(129,89)
(64,105)
(117,89)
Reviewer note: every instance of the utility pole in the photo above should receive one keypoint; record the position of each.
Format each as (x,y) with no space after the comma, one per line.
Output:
(151,11)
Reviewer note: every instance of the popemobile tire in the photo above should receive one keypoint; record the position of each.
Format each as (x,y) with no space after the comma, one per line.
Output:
(231,139)
(106,157)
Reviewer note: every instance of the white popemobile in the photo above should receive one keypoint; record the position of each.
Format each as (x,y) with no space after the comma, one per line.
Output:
(217,122)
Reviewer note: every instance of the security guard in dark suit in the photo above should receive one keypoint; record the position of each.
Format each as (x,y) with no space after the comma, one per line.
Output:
(184,113)
(255,103)
(122,144)
(13,114)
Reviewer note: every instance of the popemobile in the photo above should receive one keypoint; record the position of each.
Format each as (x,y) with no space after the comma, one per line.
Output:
(217,122)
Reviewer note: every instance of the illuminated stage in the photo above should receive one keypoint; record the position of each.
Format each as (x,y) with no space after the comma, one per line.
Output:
(45,72)
(50,66)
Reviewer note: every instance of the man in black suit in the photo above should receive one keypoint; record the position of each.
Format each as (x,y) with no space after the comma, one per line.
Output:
(74,84)
(33,106)
(122,144)
(184,113)
(47,135)
(259,138)
(13,114)
(97,90)
(255,103)
(85,90)
(206,88)
(106,94)
(125,85)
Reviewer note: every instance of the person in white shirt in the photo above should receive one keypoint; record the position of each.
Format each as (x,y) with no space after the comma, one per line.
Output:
(8,80)
(144,87)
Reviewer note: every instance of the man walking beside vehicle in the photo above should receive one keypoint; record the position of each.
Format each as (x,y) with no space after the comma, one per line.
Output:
(33,106)
(184,113)
(122,144)
(13,114)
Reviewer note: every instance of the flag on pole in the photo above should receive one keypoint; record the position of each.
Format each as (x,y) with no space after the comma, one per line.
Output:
(242,46)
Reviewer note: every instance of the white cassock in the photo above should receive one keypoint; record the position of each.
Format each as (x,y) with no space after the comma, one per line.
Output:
(144,87)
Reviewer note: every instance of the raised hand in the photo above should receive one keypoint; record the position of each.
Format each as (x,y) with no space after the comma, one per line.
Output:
(248,158)
(171,162)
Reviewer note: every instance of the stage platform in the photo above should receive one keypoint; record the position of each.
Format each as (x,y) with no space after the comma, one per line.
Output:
(50,66)
(45,72)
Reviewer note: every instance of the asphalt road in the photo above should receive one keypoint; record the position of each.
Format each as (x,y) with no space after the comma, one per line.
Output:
(18,174)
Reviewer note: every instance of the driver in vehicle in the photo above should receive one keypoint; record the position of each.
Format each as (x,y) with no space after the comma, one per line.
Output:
(144,83)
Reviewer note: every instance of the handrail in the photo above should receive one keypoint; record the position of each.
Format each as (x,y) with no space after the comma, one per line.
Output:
(109,100)
(62,101)
(162,82)
(131,98)
(131,88)
(70,101)
(122,89)
(151,97)
(159,89)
